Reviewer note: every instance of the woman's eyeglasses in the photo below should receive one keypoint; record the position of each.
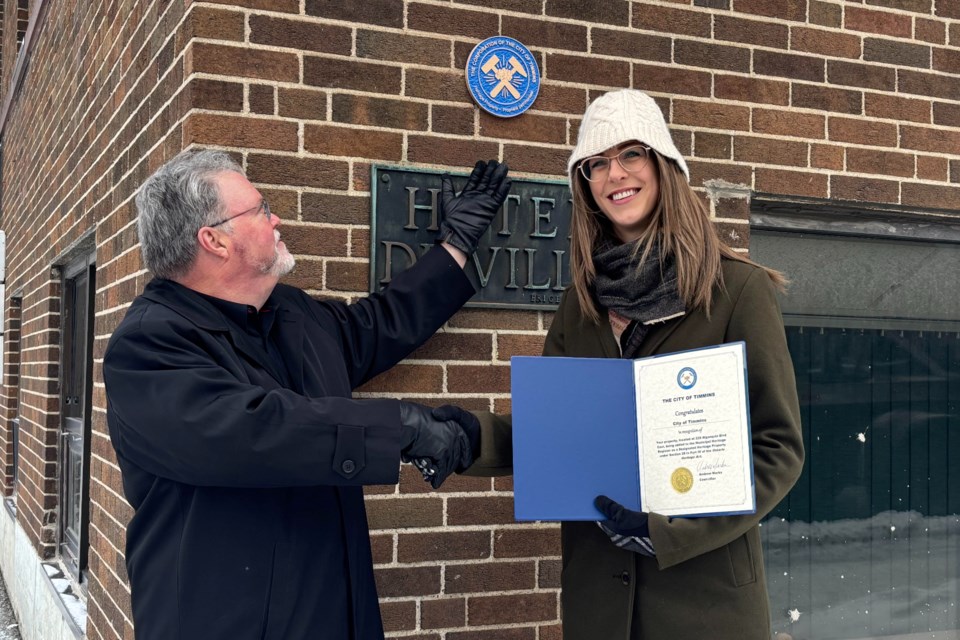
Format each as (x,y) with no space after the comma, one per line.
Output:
(632,159)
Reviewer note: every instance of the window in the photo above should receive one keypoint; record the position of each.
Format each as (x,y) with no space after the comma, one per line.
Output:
(75,397)
(867,544)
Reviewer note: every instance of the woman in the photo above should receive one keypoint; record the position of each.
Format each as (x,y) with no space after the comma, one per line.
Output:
(650,276)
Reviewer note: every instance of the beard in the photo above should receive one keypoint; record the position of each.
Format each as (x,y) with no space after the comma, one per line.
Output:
(279,264)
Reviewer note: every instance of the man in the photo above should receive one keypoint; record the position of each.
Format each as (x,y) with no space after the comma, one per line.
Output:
(229,406)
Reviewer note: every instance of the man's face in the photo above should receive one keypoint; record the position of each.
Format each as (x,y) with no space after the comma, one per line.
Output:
(253,229)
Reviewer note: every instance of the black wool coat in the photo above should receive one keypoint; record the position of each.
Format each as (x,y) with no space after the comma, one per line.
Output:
(248,519)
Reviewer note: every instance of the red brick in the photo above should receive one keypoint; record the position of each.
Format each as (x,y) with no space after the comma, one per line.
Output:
(300,34)
(335,73)
(542,33)
(407,378)
(215,95)
(335,208)
(827,98)
(948,10)
(518,344)
(947,60)
(563,99)
(380,112)
(284,6)
(304,104)
(532,127)
(882,22)
(789,123)
(880,105)
(769,151)
(399,616)
(452,152)
(857,131)
(617,13)
(361,143)
(932,168)
(828,43)
(308,239)
(933,140)
(711,56)
(880,162)
(527,542)
(711,115)
(411,480)
(826,156)
(713,145)
(937,85)
(407,581)
(791,183)
(917,6)
(825,14)
(478,379)
(502,319)
(386,13)
(898,53)
(932,31)
(456,346)
(506,633)
(587,70)
(232,131)
(294,171)
(520,607)
(670,79)
(533,159)
(443,613)
(261,99)
(444,545)
(734,235)
(393,513)
(456,120)
(437,85)
(480,510)
(735,208)
(401,47)
(795,10)
(346,276)
(740,31)
(670,20)
(864,189)
(629,44)
(490,576)
(246,62)
(215,24)
(444,20)
(702,172)
(520,6)
(748,89)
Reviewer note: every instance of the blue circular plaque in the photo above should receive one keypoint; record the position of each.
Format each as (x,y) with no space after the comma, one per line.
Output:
(503,76)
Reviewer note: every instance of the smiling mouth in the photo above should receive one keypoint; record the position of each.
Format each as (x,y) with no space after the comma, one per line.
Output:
(622,195)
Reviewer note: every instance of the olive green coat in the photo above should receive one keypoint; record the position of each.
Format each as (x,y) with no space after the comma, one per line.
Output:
(707,580)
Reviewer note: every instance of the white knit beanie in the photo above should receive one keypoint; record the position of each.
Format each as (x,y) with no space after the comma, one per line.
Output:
(621,116)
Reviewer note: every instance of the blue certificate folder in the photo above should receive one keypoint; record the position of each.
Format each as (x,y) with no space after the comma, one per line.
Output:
(575,432)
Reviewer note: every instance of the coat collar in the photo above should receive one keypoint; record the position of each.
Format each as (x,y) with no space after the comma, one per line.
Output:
(191,305)
(603,335)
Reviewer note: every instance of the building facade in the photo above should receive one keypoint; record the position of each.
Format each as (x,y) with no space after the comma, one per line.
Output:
(823,134)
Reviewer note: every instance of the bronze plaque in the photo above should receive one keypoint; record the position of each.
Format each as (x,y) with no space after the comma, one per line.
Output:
(523,261)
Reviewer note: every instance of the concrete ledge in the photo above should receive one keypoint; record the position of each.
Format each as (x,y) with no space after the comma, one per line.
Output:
(44,604)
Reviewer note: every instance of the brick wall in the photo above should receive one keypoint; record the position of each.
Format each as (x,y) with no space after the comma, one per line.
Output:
(798,98)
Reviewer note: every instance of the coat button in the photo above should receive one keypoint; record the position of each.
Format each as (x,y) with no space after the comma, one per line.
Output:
(625,578)
(348,466)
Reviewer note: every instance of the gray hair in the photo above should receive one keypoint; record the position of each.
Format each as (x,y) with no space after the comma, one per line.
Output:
(174,203)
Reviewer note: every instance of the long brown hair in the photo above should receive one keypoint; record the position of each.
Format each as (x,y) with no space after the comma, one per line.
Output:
(681,220)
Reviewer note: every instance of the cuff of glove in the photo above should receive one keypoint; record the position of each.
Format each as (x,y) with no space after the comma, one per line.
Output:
(451,238)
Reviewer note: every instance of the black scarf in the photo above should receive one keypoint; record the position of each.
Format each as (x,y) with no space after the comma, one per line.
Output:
(646,296)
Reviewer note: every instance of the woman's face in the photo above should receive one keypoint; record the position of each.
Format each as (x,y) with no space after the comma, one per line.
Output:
(626,197)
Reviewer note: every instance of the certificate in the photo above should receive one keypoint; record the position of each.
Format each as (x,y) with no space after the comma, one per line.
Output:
(668,434)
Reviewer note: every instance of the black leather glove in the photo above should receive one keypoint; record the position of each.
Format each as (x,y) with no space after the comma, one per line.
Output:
(467,216)
(627,529)
(437,447)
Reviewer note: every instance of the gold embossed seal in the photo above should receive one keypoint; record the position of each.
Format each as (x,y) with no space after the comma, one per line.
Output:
(682,480)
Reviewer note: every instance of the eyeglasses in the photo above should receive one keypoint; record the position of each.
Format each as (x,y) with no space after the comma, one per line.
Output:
(262,206)
(632,159)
